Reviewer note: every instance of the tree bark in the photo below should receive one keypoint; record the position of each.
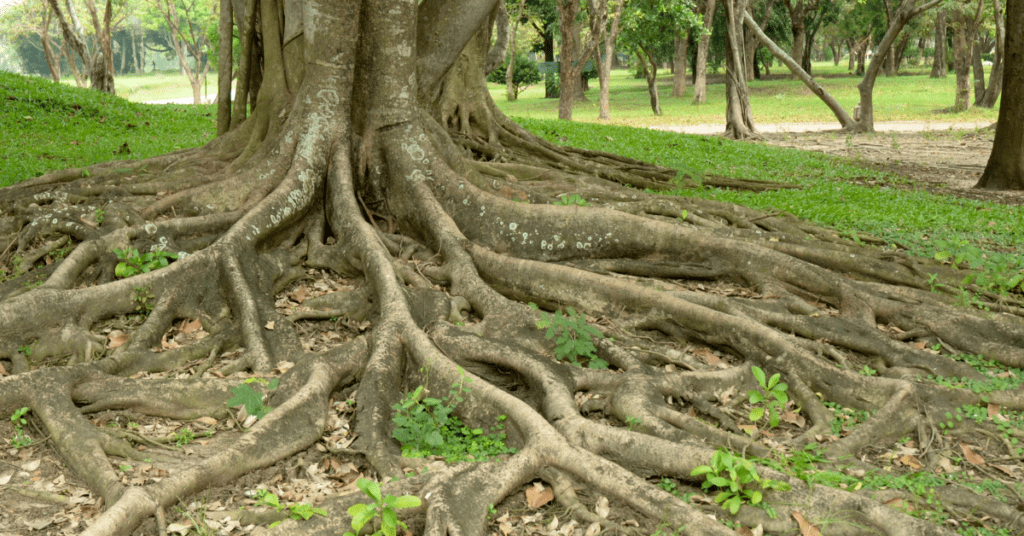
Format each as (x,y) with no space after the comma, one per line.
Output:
(97,66)
(739,119)
(649,67)
(52,58)
(679,65)
(798,10)
(701,65)
(962,46)
(604,65)
(511,89)
(939,62)
(1005,169)
(995,81)
(574,56)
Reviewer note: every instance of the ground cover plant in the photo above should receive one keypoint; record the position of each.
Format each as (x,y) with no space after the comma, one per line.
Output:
(912,96)
(356,247)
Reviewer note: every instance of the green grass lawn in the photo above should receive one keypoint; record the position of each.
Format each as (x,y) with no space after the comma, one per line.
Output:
(49,126)
(156,86)
(912,96)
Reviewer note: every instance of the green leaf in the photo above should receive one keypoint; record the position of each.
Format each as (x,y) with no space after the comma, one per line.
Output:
(773,381)
(758,375)
(407,501)
(755,497)
(247,396)
(755,397)
(756,414)
(362,518)
(370,488)
(700,470)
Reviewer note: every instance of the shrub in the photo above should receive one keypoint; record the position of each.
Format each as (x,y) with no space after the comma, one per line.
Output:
(524,74)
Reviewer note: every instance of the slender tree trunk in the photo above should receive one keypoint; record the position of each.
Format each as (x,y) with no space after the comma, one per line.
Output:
(80,79)
(976,66)
(1005,169)
(962,61)
(739,120)
(651,75)
(939,63)
(995,81)
(604,65)
(679,65)
(224,67)
(98,67)
(851,45)
(863,55)
(52,58)
(700,77)
(889,65)
(511,89)
(898,51)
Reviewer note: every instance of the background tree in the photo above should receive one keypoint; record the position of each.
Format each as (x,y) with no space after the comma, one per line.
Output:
(939,62)
(739,119)
(511,86)
(97,57)
(1005,169)
(574,54)
(705,9)
(650,28)
(995,81)
(374,153)
(604,60)
(188,24)
(799,11)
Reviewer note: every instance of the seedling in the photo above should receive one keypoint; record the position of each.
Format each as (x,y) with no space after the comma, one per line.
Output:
(133,263)
(732,474)
(772,393)
(20,439)
(571,199)
(298,512)
(383,506)
(575,338)
(251,398)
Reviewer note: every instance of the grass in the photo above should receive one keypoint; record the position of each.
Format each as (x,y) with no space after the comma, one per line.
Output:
(49,126)
(155,86)
(900,98)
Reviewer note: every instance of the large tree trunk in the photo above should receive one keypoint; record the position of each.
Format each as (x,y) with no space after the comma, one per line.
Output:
(739,119)
(700,77)
(995,81)
(1005,169)
(375,170)
(939,62)
(574,54)
(679,65)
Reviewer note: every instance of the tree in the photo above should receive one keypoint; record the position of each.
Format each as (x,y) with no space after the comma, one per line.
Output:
(98,59)
(187,23)
(374,151)
(650,27)
(799,10)
(1005,169)
(739,119)
(939,67)
(573,56)
(705,8)
(604,63)
(995,81)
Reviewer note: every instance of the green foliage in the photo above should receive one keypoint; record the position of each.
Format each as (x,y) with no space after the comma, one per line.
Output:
(383,507)
(574,338)
(251,398)
(99,214)
(20,439)
(845,418)
(184,437)
(633,421)
(524,73)
(425,426)
(734,475)
(143,298)
(772,394)
(571,199)
(298,512)
(133,263)
(868,371)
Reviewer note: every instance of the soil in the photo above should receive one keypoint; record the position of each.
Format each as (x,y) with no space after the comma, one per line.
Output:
(942,162)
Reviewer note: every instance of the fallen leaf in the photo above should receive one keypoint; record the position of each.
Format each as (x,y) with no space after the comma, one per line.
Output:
(793,418)
(707,356)
(897,503)
(505,528)
(179,528)
(189,327)
(806,528)
(920,345)
(601,508)
(37,524)
(946,465)
(117,338)
(31,466)
(6,477)
(538,495)
(1002,468)
(972,456)
(554,524)
(748,428)
(993,410)
(911,461)
(299,295)
(270,325)
(593,529)
(208,421)
(727,395)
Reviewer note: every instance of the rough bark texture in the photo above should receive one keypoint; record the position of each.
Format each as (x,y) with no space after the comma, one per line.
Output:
(374,153)
(679,65)
(995,81)
(939,63)
(1005,169)
(739,119)
(604,64)
(962,47)
(700,91)
(798,10)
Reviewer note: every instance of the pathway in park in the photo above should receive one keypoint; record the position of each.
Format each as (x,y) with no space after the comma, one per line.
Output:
(880,126)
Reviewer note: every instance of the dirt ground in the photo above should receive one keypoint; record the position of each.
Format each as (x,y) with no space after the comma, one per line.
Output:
(943,162)
(39,496)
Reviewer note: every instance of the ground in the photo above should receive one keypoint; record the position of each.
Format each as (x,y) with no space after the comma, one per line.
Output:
(38,495)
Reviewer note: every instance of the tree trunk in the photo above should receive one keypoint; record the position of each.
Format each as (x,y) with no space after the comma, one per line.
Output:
(1005,169)
(798,11)
(739,120)
(98,67)
(52,58)
(700,76)
(851,45)
(995,81)
(939,63)
(511,88)
(889,65)
(679,66)
(651,76)
(604,65)
(962,61)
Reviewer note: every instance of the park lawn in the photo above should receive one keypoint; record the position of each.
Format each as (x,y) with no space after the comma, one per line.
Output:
(156,86)
(906,97)
(49,126)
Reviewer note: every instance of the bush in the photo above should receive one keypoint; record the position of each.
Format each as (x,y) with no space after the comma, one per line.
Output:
(524,74)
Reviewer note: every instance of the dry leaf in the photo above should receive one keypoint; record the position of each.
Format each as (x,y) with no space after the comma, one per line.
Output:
(505,528)
(727,395)
(793,418)
(208,421)
(1005,469)
(707,356)
(593,529)
(554,524)
(192,326)
(117,338)
(993,410)
(168,344)
(806,528)
(911,461)
(897,503)
(748,428)
(299,295)
(538,495)
(270,325)
(920,345)
(946,465)
(601,508)
(972,456)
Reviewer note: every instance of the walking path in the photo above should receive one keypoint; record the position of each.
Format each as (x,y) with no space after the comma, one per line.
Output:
(880,126)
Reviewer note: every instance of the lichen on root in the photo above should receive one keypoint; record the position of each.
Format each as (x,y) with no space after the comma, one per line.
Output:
(444,220)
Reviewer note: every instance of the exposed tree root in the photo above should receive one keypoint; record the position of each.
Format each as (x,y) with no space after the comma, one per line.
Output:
(440,229)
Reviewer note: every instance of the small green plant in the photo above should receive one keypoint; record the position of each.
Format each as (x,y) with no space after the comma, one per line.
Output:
(868,371)
(772,393)
(251,398)
(98,215)
(143,298)
(26,350)
(383,506)
(124,467)
(425,426)
(633,421)
(20,439)
(571,199)
(133,263)
(733,476)
(184,437)
(298,512)
(575,338)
